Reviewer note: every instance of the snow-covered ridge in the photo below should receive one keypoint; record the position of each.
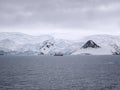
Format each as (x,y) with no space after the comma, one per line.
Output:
(23,44)
(104,39)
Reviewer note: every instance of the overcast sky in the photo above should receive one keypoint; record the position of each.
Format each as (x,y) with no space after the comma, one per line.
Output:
(78,17)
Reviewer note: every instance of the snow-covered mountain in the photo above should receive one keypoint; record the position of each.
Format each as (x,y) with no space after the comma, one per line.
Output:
(105,42)
(104,39)
(23,44)
(20,38)
(19,44)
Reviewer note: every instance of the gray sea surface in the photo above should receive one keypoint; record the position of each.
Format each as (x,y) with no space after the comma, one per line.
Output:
(60,72)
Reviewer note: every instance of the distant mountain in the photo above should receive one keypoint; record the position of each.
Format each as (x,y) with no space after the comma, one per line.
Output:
(105,45)
(103,39)
(21,38)
(23,44)
(90,44)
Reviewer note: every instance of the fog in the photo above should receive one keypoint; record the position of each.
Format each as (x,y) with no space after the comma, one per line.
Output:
(60,17)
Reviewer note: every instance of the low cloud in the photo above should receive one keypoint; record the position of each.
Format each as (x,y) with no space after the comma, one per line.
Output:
(61,14)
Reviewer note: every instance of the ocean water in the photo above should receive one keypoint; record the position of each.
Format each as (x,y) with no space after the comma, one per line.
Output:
(60,73)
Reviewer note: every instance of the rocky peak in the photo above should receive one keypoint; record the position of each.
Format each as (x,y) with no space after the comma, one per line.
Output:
(90,44)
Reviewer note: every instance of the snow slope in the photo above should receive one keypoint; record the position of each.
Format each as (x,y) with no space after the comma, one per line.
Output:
(17,43)
(106,42)
(22,44)
(21,38)
(106,50)
(104,39)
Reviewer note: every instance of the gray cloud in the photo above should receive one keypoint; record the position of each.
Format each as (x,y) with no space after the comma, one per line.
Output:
(80,14)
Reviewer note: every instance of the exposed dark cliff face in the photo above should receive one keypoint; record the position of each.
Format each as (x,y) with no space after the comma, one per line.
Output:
(47,45)
(90,44)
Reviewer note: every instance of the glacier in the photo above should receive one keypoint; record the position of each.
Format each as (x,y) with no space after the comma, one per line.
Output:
(14,43)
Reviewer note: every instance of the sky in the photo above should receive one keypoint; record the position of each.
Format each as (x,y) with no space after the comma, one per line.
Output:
(61,18)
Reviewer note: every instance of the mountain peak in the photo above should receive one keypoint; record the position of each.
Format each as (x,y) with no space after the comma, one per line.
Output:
(90,44)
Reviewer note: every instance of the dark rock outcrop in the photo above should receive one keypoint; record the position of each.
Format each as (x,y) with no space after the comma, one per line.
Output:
(90,44)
